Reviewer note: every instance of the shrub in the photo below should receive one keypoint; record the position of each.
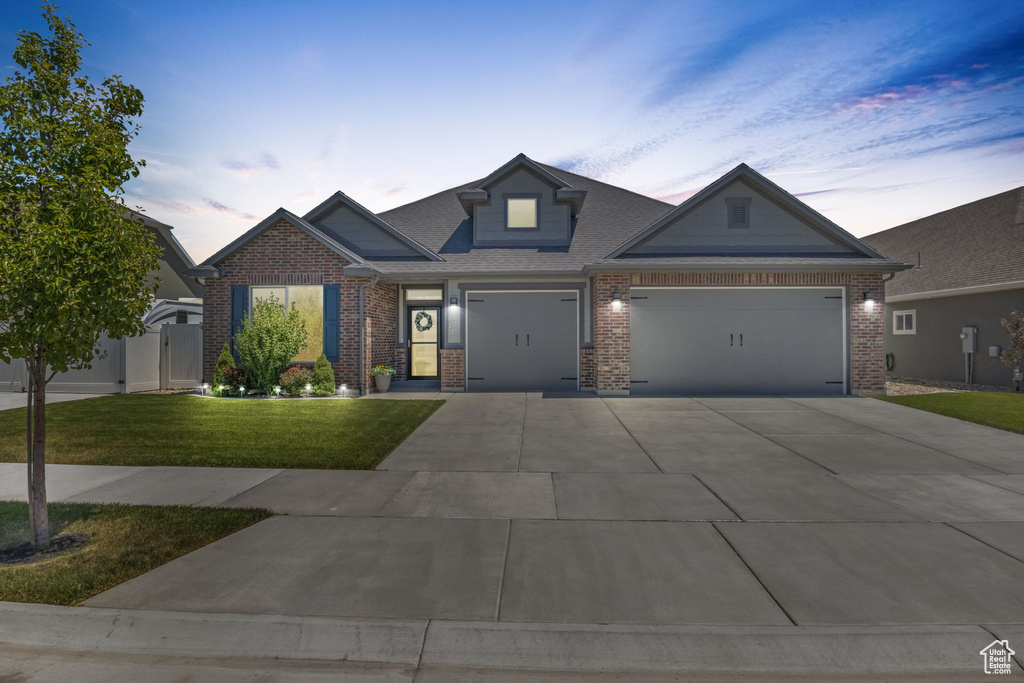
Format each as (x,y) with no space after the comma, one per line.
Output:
(1013,357)
(233,378)
(268,340)
(224,363)
(323,377)
(294,380)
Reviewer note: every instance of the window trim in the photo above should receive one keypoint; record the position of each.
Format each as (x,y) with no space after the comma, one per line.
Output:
(535,196)
(899,314)
(730,202)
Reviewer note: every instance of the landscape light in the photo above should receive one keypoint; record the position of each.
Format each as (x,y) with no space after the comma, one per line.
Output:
(309,388)
(241,390)
(204,387)
(344,390)
(616,302)
(277,390)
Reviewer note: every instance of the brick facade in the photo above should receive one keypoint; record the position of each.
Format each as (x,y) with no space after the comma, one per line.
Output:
(453,373)
(381,301)
(866,328)
(587,379)
(284,255)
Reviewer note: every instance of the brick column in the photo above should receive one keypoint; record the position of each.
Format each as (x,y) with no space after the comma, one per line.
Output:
(453,374)
(867,335)
(611,334)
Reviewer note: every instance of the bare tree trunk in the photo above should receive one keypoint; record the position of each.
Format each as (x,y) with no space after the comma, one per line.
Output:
(37,492)
(30,384)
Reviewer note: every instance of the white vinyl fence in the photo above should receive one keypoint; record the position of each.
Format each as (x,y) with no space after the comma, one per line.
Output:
(181,359)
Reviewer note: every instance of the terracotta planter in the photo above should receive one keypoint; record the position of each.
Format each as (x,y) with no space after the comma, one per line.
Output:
(383,382)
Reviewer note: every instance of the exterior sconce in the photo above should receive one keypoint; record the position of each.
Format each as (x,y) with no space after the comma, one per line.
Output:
(616,302)
(453,302)
(869,301)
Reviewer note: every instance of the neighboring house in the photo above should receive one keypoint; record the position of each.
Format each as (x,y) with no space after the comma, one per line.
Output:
(969,272)
(134,363)
(538,279)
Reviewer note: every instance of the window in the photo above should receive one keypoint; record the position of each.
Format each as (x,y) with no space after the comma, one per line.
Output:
(737,212)
(181,317)
(904,322)
(309,304)
(521,212)
(424,294)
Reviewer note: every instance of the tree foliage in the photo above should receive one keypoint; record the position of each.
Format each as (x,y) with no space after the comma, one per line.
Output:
(1014,326)
(225,362)
(74,262)
(268,340)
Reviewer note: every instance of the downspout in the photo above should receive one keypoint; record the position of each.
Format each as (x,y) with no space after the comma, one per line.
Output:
(362,335)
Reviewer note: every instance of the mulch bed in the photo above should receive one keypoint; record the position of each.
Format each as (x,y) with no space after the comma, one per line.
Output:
(26,554)
(907,386)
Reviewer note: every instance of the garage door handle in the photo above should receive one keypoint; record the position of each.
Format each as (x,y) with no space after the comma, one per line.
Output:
(517,340)
(527,340)
(741,340)
(730,340)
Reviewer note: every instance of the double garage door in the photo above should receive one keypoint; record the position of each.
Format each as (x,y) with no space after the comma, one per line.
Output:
(737,340)
(682,341)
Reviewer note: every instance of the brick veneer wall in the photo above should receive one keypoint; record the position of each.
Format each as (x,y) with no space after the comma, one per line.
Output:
(866,328)
(283,255)
(381,334)
(453,372)
(587,380)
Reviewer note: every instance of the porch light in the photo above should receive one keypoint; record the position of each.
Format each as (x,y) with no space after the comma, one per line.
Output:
(616,302)
(453,302)
(869,301)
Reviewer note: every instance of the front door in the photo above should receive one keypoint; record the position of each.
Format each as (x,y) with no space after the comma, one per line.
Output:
(424,323)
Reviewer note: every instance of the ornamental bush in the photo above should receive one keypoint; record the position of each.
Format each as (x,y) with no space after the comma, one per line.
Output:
(269,338)
(323,377)
(294,380)
(224,363)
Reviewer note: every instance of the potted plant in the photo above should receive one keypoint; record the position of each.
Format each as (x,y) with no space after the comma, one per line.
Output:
(382,376)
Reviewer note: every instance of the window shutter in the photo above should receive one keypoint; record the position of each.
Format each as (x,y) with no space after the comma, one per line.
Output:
(239,308)
(332,322)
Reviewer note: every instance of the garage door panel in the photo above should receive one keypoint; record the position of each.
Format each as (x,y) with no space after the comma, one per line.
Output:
(522,341)
(737,341)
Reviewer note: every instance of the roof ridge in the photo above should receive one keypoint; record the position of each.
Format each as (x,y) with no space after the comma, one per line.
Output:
(601,182)
(1019,217)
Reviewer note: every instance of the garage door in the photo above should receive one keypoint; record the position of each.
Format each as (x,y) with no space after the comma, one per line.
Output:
(522,341)
(735,340)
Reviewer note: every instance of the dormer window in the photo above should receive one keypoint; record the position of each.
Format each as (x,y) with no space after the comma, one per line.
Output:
(737,212)
(520,212)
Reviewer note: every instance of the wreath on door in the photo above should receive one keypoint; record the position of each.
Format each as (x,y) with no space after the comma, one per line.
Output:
(420,325)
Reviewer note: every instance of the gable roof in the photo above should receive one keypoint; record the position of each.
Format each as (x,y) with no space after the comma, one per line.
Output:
(976,245)
(339,198)
(766,187)
(564,192)
(208,268)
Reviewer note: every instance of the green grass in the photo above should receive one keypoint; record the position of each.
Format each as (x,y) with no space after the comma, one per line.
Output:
(191,431)
(1003,411)
(125,541)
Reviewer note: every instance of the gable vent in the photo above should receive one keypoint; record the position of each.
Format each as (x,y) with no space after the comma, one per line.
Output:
(738,211)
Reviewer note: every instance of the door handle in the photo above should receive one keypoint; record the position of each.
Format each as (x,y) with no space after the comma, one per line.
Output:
(517,340)
(730,340)
(741,340)
(527,340)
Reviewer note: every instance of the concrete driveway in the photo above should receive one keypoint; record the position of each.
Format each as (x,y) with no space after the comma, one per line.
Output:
(676,511)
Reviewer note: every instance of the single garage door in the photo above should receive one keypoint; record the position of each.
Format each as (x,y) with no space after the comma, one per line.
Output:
(736,340)
(522,341)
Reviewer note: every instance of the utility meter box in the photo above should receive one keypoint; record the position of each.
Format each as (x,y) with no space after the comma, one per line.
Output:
(969,336)
(994,351)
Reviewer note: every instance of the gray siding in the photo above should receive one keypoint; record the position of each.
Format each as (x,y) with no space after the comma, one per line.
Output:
(553,224)
(934,352)
(705,229)
(361,236)
(173,285)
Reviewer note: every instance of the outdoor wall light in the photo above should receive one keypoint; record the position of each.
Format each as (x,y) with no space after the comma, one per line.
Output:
(616,302)
(454,302)
(869,301)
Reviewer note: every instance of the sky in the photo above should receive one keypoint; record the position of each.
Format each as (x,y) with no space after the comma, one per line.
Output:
(873,113)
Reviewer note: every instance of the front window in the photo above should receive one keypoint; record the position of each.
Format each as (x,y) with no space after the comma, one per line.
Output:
(904,322)
(521,213)
(309,304)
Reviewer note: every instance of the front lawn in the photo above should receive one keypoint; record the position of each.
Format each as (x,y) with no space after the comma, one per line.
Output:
(124,541)
(202,432)
(1000,410)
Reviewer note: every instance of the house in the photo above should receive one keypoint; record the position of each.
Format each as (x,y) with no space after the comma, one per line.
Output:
(537,279)
(968,273)
(134,363)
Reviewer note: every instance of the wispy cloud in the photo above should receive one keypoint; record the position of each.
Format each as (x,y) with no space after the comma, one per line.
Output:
(223,208)
(259,164)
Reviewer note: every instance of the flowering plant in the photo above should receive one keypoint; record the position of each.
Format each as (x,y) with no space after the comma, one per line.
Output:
(230,379)
(382,370)
(294,379)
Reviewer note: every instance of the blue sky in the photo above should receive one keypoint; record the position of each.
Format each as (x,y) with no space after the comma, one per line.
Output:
(874,113)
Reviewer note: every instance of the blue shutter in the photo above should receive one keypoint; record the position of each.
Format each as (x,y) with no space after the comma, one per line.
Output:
(332,322)
(239,307)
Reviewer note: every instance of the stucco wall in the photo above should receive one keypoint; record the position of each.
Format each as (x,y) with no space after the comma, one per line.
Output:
(935,351)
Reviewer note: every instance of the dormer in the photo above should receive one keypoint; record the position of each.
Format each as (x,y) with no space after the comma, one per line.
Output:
(363,232)
(522,204)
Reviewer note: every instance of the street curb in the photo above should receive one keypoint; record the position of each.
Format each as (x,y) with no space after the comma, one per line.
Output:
(498,646)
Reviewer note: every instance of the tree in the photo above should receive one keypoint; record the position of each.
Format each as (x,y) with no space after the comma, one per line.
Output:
(323,377)
(1014,356)
(268,340)
(74,261)
(225,362)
